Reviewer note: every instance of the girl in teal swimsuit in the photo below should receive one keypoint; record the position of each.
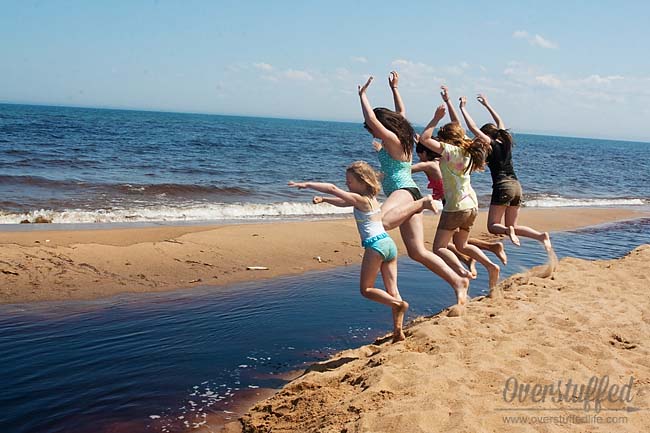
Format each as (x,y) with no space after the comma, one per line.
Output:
(380,250)
(403,206)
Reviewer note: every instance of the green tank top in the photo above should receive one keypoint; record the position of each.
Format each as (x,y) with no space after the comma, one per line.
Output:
(397,174)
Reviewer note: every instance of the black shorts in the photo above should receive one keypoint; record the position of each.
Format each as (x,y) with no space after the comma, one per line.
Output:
(415,192)
(506,192)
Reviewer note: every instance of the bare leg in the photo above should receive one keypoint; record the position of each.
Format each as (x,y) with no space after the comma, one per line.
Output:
(493,247)
(370,266)
(389,275)
(413,237)
(512,213)
(440,243)
(395,216)
(466,260)
(511,228)
(460,240)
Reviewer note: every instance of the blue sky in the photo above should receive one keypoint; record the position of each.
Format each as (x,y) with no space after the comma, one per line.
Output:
(571,68)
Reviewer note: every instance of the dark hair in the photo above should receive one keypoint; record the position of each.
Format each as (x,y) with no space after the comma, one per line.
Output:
(491,130)
(397,124)
(431,155)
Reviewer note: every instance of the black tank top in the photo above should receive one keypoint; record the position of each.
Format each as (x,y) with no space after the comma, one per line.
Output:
(500,162)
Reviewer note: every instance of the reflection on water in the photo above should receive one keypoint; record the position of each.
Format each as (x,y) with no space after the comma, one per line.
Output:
(169,362)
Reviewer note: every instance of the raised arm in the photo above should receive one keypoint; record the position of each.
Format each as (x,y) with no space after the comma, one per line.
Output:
(351,198)
(497,119)
(450,107)
(393,81)
(426,138)
(376,128)
(471,125)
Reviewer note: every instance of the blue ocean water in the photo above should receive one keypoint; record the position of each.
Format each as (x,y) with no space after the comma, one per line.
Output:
(157,362)
(78,165)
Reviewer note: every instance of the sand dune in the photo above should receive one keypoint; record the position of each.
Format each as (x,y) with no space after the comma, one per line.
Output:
(591,319)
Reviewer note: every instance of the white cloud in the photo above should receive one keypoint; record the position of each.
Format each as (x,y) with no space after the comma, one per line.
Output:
(597,79)
(535,40)
(342,74)
(359,59)
(263,66)
(549,80)
(541,42)
(298,75)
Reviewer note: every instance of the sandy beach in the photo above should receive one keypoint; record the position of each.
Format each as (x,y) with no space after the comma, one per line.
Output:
(40,265)
(586,328)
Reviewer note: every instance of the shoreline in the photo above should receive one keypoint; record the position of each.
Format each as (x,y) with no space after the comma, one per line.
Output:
(589,321)
(42,265)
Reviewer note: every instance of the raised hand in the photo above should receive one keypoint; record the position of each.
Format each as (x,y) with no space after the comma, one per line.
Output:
(376,145)
(440,112)
(463,101)
(393,79)
(482,99)
(317,199)
(444,93)
(362,89)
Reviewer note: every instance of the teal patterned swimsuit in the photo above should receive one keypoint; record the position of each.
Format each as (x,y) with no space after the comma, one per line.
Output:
(397,174)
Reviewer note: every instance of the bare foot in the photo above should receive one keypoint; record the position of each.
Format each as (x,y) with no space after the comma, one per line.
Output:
(495,293)
(547,242)
(456,311)
(513,236)
(500,252)
(472,269)
(399,314)
(493,275)
(461,300)
(429,203)
(398,335)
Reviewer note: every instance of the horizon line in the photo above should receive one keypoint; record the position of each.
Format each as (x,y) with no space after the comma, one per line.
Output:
(158,110)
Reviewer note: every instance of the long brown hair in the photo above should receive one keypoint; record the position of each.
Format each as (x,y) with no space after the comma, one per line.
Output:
(397,124)
(491,130)
(477,150)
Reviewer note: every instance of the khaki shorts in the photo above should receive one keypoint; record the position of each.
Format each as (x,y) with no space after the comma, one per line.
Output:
(463,219)
(506,192)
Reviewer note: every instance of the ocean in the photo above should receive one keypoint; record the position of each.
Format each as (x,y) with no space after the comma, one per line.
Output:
(87,166)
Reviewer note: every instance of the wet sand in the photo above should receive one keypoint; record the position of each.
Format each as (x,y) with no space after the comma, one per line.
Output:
(40,265)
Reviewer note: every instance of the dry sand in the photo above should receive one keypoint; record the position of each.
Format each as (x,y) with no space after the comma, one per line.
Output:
(592,319)
(39,265)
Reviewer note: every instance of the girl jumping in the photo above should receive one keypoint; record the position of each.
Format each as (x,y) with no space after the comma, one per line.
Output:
(380,249)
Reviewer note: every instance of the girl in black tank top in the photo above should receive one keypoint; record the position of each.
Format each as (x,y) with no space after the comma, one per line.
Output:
(506,190)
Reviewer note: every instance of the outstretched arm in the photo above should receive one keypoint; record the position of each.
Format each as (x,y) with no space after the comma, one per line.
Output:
(336,201)
(452,111)
(393,81)
(351,198)
(378,130)
(426,138)
(420,167)
(471,125)
(497,119)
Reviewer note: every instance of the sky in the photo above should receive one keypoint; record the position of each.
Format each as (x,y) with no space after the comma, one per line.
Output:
(576,68)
